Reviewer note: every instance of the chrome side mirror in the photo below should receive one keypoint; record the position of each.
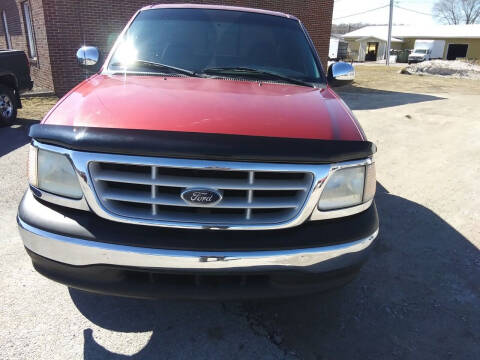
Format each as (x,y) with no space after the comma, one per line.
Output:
(341,73)
(88,56)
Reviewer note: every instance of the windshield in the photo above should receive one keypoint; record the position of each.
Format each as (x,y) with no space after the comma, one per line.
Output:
(202,39)
(420,51)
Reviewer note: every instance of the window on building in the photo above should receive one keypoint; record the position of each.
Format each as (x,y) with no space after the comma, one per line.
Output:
(27,13)
(5,30)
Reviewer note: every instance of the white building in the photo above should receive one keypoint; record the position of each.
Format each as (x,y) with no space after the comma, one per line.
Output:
(369,43)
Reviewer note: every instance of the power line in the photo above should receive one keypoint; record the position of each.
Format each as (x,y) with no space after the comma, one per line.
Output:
(406,1)
(411,10)
(361,13)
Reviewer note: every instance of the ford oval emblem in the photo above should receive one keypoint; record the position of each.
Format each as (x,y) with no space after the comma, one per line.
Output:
(201,197)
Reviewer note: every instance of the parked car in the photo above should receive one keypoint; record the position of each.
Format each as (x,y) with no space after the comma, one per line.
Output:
(208,158)
(14,80)
(426,50)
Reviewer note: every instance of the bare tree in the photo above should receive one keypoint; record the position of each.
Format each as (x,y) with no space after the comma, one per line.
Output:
(455,12)
(347,27)
(471,11)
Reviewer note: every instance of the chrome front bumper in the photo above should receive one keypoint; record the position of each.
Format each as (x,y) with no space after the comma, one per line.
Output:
(79,252)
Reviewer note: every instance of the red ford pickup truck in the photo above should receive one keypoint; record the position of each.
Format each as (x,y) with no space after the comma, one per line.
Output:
(207,158)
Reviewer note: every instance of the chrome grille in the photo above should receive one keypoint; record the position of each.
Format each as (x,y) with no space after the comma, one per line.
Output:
(151,192)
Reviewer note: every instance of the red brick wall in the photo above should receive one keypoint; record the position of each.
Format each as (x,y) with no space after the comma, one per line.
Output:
(40,69)
(71,23)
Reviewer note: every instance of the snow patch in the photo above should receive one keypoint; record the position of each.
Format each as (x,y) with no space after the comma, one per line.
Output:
(455,69)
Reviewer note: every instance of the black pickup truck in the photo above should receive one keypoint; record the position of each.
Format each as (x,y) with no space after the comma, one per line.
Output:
(14,79)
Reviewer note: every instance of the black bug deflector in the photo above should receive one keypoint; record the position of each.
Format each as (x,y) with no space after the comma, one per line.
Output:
(201,145)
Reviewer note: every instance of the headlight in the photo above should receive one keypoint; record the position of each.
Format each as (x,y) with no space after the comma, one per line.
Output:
(53,172)
(348,187)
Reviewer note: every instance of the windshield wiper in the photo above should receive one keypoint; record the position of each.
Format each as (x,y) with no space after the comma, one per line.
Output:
(245,71)
(154,65)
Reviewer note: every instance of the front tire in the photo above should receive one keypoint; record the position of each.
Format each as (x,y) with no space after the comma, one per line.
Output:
(8,106)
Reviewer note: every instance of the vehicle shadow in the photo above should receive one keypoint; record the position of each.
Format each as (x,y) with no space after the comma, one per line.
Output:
(15,136)
(360,98)
(179,329)
(416,297)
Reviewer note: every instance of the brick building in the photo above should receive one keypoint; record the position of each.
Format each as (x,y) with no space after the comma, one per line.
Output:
(51,31)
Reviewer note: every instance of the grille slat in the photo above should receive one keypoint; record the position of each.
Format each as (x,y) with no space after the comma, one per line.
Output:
(251,181)
(172,200)
(181,181)
(153,192)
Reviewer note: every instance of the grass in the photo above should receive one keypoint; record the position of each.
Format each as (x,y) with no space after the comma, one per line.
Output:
(36,108)
(389,78)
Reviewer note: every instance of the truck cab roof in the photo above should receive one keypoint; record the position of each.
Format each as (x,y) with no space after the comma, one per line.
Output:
(217,7)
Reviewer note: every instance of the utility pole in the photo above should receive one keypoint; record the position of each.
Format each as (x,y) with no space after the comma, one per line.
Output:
(389,41)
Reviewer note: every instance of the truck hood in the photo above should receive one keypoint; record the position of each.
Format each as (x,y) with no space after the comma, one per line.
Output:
(202,105)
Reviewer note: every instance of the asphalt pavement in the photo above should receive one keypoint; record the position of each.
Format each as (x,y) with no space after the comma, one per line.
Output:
(418,296)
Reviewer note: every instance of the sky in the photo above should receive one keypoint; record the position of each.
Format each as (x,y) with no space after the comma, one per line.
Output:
(342,8)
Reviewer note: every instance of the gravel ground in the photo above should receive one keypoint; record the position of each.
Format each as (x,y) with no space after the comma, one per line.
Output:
(455,69)
(418,296)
